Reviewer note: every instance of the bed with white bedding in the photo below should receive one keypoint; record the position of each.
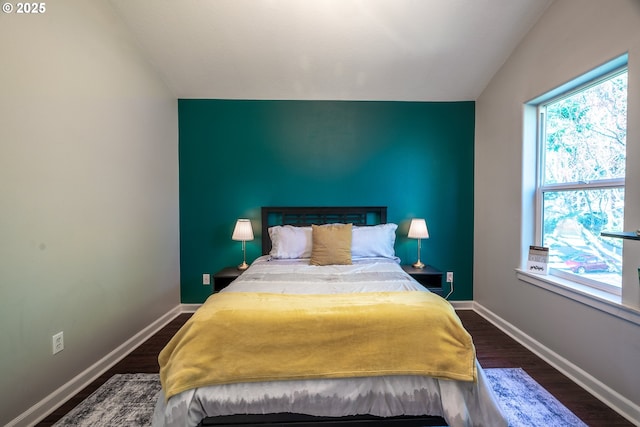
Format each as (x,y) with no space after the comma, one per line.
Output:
(388,392)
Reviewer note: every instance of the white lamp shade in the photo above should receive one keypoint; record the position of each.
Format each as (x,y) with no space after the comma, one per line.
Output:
(243,230)
(418,229)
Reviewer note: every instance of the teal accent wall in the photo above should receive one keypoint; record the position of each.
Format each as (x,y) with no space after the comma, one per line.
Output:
(237,156)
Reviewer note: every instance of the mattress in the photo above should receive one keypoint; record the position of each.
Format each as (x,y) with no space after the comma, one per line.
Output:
(461,403)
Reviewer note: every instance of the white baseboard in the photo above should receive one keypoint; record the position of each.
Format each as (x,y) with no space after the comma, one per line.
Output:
(47,405)
(462,305)
(625,407)
(189,308)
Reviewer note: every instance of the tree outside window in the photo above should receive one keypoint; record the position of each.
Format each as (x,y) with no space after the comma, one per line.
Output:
(582,172)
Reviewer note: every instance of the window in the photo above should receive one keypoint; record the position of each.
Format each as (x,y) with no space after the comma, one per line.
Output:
(581,179)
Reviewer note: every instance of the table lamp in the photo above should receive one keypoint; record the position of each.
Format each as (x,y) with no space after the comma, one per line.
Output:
(243,231)
(418,230)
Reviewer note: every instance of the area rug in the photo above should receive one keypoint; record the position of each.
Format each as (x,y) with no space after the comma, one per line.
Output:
(129,400)
(124,400)
(525,403)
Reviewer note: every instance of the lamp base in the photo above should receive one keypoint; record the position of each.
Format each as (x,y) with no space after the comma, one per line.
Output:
(418,264)
(243,266)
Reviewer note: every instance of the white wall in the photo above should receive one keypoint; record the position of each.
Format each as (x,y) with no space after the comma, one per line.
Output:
(572,37)
(88,194)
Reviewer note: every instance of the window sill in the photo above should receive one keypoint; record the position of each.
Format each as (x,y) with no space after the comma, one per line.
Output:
(600,300)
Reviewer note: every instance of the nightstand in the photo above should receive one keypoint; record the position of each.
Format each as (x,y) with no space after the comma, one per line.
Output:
(225,276)
(429,277)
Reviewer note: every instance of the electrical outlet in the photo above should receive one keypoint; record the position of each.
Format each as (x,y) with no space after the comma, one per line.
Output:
(206,279)
(449,276)
(58,343)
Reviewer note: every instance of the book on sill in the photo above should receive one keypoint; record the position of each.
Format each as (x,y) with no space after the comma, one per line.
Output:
(538,261)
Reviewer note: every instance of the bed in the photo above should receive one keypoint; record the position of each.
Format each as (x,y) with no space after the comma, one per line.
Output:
(324,328)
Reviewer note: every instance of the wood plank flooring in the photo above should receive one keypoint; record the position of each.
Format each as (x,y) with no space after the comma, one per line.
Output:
(494,350)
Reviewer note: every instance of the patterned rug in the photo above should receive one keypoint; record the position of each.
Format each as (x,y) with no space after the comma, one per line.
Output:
(129,400)
(124,400)
(525,403)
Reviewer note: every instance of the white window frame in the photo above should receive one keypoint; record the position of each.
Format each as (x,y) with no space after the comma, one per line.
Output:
(594,77)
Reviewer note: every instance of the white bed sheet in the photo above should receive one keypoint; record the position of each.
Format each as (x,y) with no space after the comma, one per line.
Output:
(299,277)
(461,404)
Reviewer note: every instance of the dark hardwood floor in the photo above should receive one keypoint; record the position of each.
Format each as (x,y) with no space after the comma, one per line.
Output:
(494,350)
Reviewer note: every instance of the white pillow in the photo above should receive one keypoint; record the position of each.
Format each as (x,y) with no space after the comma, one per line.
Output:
(374,241)
(288,242)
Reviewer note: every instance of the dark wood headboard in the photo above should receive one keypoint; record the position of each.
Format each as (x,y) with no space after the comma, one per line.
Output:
(306,216)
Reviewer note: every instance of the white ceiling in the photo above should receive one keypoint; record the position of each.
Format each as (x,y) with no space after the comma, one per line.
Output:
(413,50)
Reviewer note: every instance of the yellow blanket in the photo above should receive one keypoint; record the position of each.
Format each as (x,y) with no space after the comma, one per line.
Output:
(248,337)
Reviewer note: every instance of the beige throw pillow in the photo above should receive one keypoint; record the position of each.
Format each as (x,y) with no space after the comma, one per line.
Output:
(331,244)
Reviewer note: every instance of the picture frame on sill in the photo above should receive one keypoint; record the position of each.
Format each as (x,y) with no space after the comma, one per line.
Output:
(538,260)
